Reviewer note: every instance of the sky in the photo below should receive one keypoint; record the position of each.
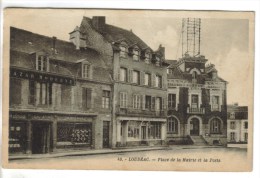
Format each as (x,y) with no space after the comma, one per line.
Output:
(224,42)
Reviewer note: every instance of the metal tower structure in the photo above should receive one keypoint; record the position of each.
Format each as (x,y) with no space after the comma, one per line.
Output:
(191,36)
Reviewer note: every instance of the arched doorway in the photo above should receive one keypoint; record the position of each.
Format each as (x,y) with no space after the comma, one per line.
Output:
(194,126)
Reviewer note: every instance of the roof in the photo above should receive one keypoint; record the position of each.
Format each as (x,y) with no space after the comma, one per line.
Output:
(26,42)
(113,34)
(171,62)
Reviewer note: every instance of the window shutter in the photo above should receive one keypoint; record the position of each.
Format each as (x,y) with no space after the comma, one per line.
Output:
(153,103)
(164,106)
(126,100)
(142,78)
(130,77)
(118,75)
(153,80)
(133,102)
(143,102)
(89,97)
(84,97)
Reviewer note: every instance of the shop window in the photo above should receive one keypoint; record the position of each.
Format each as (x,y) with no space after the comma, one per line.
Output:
(123,100)
(73,134)
(232,125)
(147,79)
(158,81)
(123,74)
(86,98)
(133,129)
(215,126)
(15,91)
(136,77)
(232,136)
(154,130)
(137,101)
(106,99)
(42,63)
(17,137)
(171,101)
(245,125)
(172,124)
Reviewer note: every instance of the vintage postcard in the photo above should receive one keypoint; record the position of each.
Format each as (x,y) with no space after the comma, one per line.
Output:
(157,90)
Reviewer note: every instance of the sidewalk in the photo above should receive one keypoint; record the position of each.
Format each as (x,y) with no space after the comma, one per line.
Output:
(63,153)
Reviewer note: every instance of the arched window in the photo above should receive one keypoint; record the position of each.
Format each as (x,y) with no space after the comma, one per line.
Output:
(215,126)
(194,75)
(172,124)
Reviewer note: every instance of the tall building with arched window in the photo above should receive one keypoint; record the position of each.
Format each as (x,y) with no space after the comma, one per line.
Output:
(197,108)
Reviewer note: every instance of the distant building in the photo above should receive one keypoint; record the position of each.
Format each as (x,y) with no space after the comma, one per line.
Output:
(139,81)
(60,96)
(197,103)
(237,130)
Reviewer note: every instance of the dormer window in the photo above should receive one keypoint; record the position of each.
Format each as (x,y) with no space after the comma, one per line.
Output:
(194,75)
(157,62)
(136,54)
(147,57)
(86,70)
(42,63)
(123,51)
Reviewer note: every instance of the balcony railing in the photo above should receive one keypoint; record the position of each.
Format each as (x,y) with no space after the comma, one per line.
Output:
(195,110)
(140,112)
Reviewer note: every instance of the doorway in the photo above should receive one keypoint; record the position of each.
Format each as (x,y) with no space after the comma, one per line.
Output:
(41,137)
(106,134)
(194,127)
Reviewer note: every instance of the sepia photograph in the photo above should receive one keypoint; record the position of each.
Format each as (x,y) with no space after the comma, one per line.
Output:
(151,90)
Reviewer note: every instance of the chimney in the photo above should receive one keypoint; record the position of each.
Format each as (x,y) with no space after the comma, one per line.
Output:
(54,39)
(162,51)
(99,22)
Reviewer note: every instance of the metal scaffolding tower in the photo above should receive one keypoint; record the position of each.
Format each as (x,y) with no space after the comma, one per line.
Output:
(191,36)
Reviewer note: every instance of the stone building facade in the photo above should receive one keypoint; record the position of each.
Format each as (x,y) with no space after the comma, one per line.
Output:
(139,81)
(60,96)
(237,124)
(197,108)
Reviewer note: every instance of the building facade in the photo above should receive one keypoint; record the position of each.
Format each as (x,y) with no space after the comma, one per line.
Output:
(60,96)
(237,124)
(197,108)
(139,81)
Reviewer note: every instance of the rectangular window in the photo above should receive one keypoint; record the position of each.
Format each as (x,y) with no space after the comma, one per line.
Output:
(136,77)
(106,99)
(66,95)
(137,101)
(42,63)
(158,104)
(246,137)
(154,130)
(232,125)
(148,102)
(147,58)
(17,137)
(85,70)
(86,98)
(232,136)
(158,81)
(136,55)
(32,86)
(123,100)
(123,51)
(172,101)
(44,93)
(15,91)
(123,74)
(133,129)
(245,125)
(147,79)
(215,103)
(194,101)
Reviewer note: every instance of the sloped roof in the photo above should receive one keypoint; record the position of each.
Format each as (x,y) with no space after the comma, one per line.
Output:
(26,42)
(114,34)
(171,63)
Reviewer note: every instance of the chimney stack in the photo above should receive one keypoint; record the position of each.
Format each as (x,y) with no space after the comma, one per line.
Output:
(54,39)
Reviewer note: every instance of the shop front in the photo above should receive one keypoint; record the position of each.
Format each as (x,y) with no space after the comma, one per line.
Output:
(141,131)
